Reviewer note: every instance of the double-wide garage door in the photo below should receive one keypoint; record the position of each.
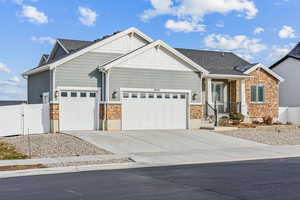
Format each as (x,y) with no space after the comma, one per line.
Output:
(78,110)
(141,110)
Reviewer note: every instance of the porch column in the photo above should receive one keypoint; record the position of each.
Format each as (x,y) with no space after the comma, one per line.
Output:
(244,107)
(208,91)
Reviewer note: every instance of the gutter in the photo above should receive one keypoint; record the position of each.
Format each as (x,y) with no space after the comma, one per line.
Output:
(228,76)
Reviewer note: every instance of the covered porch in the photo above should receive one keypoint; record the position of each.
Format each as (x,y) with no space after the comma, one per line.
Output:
(224,95)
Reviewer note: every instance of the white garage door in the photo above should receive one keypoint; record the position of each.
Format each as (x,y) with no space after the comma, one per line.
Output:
(154,110)
(78,110)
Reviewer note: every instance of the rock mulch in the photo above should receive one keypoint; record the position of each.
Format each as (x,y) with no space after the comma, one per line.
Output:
(272,135)
(52,146)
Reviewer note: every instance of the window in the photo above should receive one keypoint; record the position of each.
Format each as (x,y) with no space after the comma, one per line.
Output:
(167,96)
(134,95)
(142,95)
(73,94)
(151,96)
(175,96)
(257,94)
(125,95)
(159,96)
(64,94)
(82,94)
(182,96)
(92,94)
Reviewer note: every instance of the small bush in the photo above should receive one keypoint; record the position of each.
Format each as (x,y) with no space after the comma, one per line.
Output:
(236,117)
(268,120)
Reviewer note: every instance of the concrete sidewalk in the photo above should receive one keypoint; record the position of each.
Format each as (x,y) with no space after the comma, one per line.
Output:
(62,160)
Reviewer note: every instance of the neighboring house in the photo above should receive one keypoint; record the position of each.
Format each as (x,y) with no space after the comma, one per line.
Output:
(289,68)
(127,81)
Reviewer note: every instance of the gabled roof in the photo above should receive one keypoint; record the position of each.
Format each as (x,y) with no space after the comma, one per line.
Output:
(266,69)
(216,62)
(294,53)
(149,46)
(74,45)
(78,48)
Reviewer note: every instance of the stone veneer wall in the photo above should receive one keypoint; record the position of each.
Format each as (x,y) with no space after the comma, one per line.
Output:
(196,111)
(114,112)
(54,111)
(271,85)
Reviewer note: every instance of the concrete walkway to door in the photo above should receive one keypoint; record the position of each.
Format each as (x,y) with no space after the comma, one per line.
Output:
(181,146)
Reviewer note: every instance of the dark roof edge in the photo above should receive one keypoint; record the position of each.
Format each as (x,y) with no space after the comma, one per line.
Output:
(283,59)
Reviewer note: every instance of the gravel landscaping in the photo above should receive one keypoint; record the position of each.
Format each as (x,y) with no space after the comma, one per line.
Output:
(52,146)
(272,135)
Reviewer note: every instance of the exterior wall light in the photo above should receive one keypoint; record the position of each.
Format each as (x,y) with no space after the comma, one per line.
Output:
(114,94)
(194,96)
(56,94)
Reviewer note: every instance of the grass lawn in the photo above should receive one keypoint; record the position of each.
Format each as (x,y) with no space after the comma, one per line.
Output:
(9,153)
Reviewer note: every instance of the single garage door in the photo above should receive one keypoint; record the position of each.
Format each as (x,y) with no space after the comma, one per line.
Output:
(78,110)
(141,110)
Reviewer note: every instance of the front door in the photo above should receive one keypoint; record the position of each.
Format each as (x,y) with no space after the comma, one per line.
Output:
(218,96)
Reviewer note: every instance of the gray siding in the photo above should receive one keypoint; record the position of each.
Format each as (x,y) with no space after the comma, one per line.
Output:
(158,79)
(290,71)
(37,85)
(82,71)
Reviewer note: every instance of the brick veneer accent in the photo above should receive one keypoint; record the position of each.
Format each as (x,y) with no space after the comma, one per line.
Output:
(196,111)
(54,111)
(271,85)
(114,111)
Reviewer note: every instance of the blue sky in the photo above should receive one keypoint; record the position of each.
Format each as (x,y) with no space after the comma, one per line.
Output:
(258,30)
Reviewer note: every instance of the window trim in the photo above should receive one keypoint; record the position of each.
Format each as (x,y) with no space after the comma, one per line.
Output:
(257,94)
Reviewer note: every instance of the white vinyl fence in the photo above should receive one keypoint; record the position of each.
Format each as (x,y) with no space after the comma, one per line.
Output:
(289,114)
(24,119)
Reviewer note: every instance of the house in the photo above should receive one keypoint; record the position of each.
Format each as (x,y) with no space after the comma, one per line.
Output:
(288,67)
(128,81)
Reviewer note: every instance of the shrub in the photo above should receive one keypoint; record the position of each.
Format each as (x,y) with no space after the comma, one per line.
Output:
(236,117)
(268,120)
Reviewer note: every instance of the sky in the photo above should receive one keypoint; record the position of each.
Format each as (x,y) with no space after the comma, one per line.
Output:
(258,30)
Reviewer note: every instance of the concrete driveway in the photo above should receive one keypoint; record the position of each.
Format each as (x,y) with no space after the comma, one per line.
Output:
(178,146)
(150,141)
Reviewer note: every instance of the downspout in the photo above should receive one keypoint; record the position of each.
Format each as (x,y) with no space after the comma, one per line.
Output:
(105,96)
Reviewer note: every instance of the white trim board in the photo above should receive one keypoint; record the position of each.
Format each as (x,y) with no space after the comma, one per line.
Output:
(79,88)
(259,65)
(156,44)
(89,48)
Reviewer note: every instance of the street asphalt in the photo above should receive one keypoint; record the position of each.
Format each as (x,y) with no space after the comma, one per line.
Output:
(277,179)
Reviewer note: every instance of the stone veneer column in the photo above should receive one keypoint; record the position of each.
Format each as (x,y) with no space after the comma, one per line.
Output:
(110,116)
(196,115)
(54,118)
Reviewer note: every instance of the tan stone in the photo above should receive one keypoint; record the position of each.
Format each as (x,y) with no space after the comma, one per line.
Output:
(54,111)
(196,112)
(271,85)
(114,112)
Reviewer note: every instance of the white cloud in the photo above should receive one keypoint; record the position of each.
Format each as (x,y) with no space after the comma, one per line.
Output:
(258,30)
(49,40)
(195,10)
(32,14)
(240,44)
(220,24)
(4,68)
(87,16)
(278,51)
(287,32)
(15,79)
(184,26)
